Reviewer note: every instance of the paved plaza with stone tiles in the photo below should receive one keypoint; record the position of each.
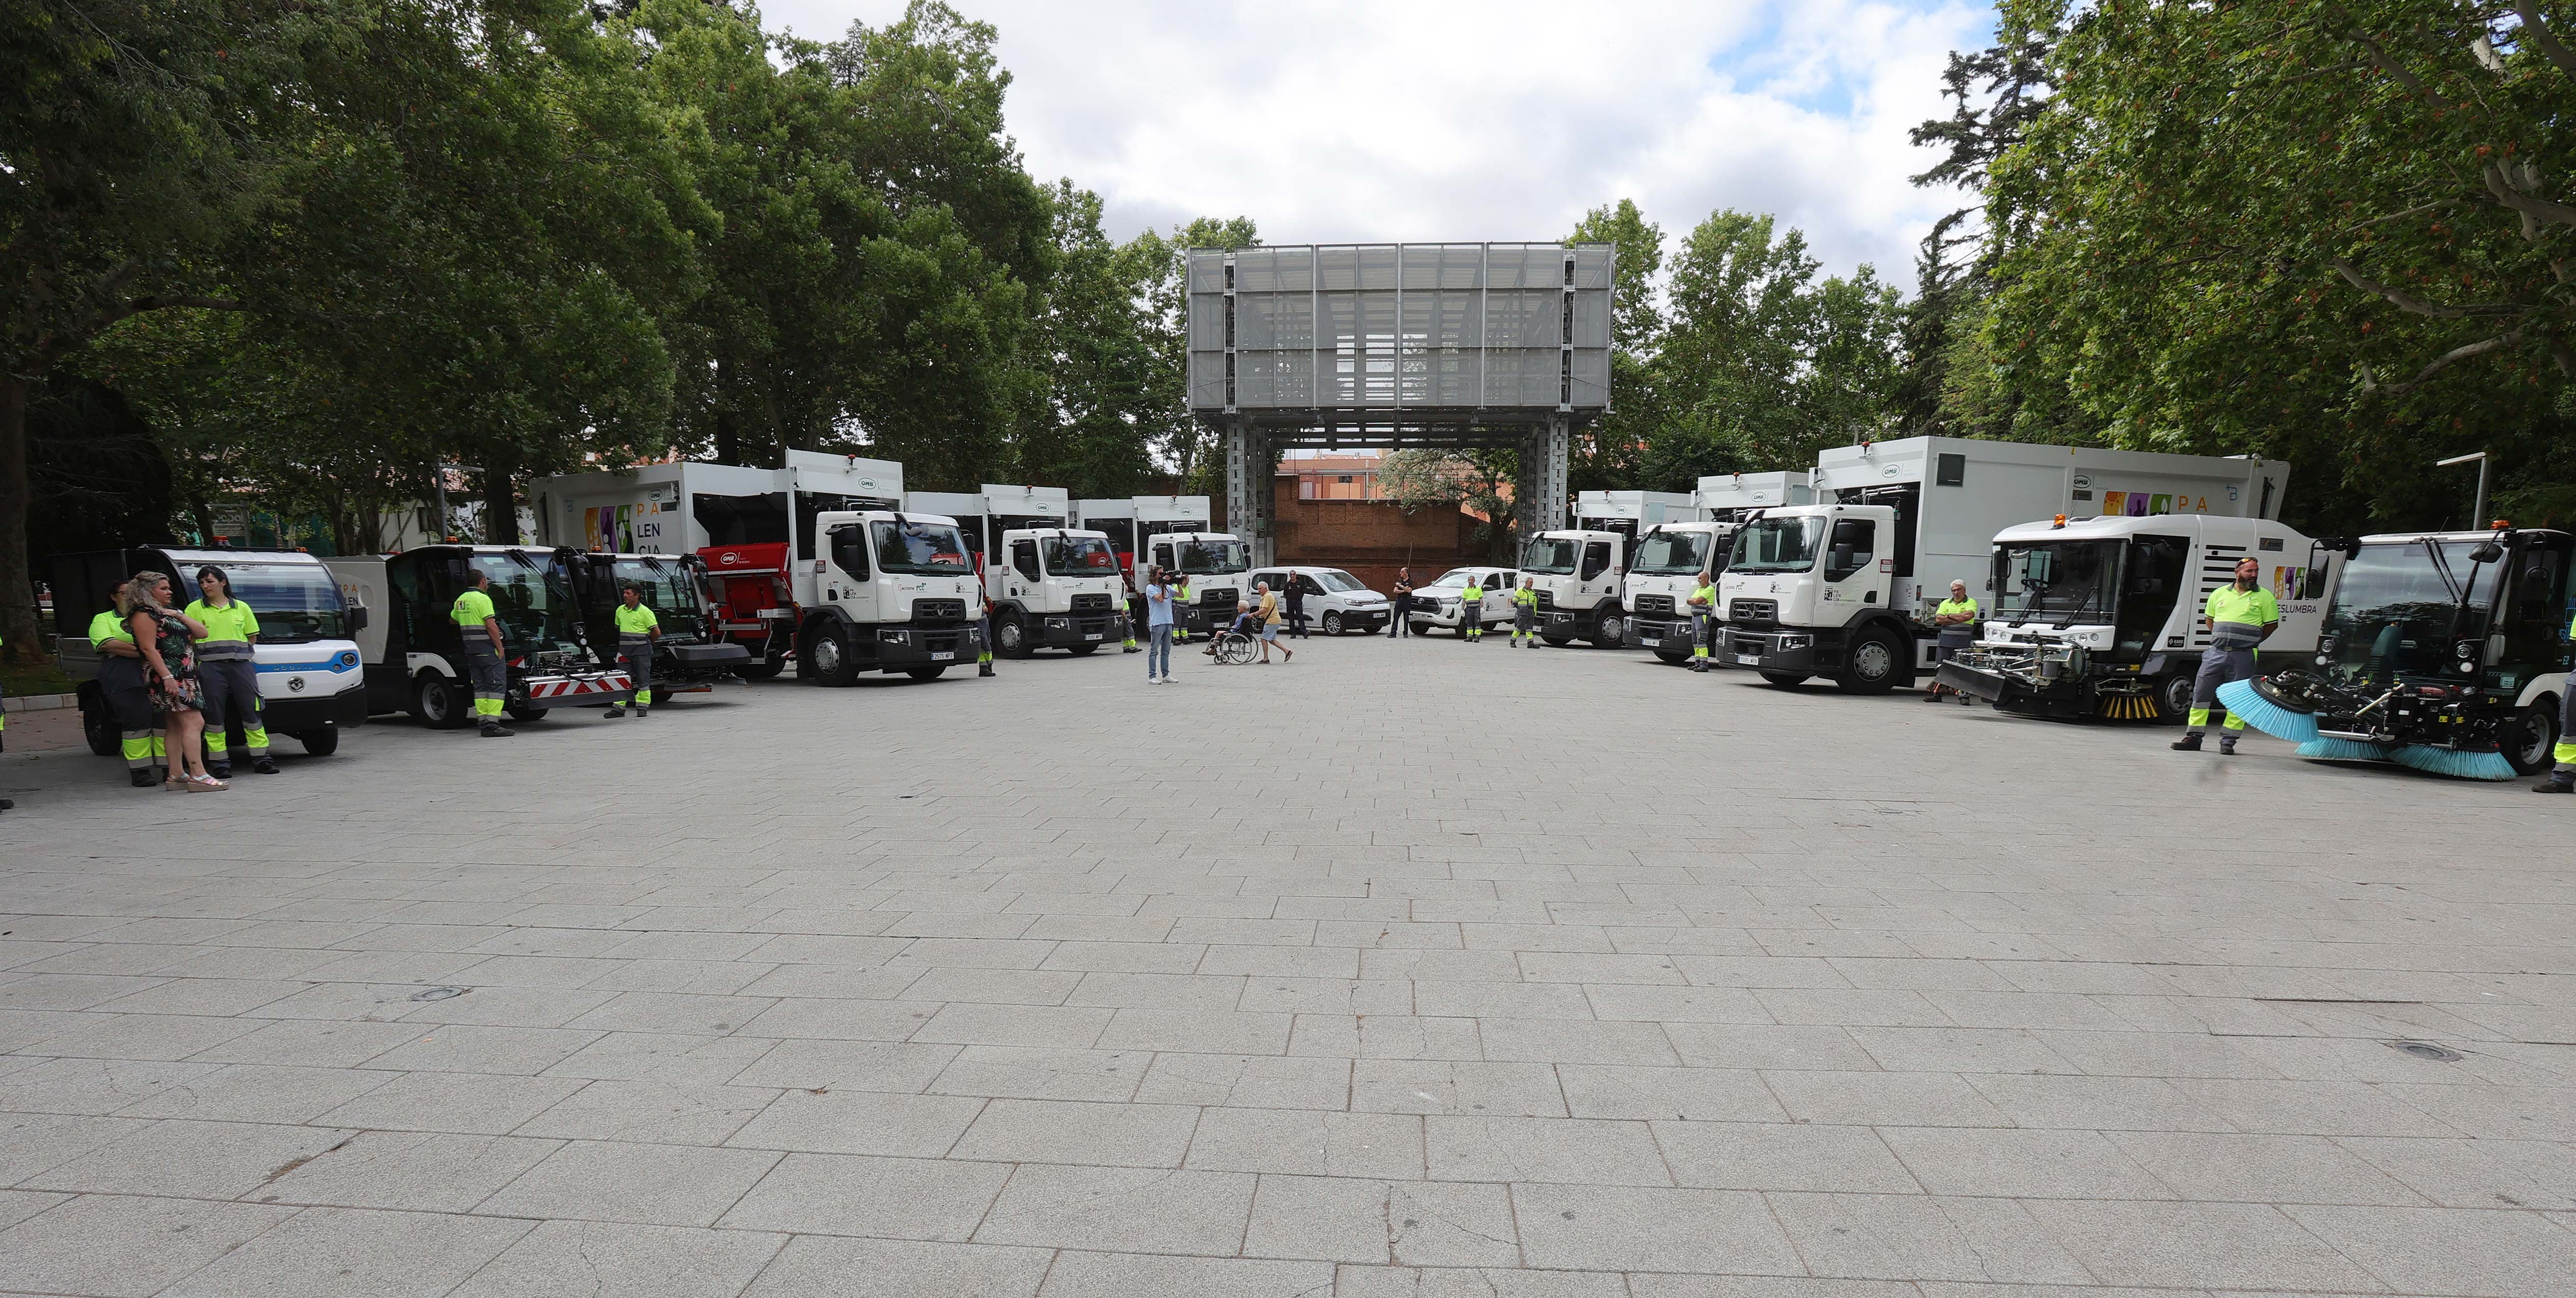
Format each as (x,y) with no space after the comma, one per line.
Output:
(1410,970)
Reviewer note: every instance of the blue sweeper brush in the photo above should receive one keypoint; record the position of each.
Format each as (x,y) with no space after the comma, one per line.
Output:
(2453,763)
(2343,750)
(2240,700)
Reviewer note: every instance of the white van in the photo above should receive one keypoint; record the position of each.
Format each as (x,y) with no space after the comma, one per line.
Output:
(1335,600)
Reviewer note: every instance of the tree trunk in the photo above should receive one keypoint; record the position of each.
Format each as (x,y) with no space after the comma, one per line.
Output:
(500,506)
(17,587)
(728,447)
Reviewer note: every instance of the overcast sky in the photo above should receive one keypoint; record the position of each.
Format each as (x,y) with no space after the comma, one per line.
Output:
(1329,122)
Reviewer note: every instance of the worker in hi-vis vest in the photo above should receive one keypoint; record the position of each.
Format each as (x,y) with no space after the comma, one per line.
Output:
(2563,779)
(1471,618)
(120,680)
(228,676)
(480,626)
(1181,609)
(1954,622)
(984,638)
(637,631)
(2240,615)
(1703,614)
(1525,612)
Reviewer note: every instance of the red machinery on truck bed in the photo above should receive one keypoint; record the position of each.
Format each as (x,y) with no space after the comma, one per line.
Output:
(755,603)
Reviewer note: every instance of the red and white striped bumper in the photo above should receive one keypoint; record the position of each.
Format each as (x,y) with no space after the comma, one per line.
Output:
(565,687)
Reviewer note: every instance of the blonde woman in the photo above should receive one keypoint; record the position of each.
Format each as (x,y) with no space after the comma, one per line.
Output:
(167,640)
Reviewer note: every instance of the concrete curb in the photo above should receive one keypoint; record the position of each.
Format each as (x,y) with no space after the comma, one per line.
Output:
(41,702)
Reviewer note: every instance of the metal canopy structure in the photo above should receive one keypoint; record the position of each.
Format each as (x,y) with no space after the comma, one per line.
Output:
(1399,345)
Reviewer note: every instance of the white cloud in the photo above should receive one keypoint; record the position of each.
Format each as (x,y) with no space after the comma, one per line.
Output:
(1343,121)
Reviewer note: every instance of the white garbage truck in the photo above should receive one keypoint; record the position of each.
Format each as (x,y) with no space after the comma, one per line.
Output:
(1052,585)
(1730,497)
(1662,574)
(2100,617)
(1844,587)
(889,591)
(1577,574)
(1631,512)
(1216,564)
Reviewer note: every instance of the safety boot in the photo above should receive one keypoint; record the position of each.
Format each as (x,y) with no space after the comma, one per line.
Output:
(2558,782)
(499,732)
(264,766)
(2187,744)
(220,770)
(143,779)
(615,711)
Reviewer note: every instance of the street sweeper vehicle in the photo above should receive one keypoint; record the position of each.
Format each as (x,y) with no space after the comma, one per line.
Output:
(1578,572)
(690,656)
(305,660)
(2444,652)
(414,651)
(752,526)
(1844,588)
(1661,576)
(2100,617)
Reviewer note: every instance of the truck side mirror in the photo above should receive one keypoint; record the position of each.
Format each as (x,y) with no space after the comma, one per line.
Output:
(357,618)
(2313,585)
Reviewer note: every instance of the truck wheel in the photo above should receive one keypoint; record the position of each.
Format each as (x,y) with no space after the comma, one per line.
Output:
(828,649)
(1556,637)
(320,743)
(1674,656)
(2528,736)
(762,669)
(1874,665)
(520,712)
(925,673)
(2173,697)
(1011,637)
(441,704)
(99,728)
(1611,632)
(1332,624)
(1785,680)
(1421,628)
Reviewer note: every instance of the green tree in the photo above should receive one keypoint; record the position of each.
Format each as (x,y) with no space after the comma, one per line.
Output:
(1094,437)
(1158,264)
(1612,456)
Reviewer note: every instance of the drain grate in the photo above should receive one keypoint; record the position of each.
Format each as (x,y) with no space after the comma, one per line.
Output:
(2426,1050)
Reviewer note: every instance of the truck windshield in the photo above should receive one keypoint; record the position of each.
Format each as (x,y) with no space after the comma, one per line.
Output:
(1667,553)
(531,594)
(1079,556)
(2392,608)
(295,602)
(1551,556)
(2035,579)
(919,549)
(1777,545)
(1212,558)
(666,585)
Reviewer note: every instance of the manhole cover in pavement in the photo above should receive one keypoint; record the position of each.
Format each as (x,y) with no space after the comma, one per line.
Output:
(2427,1050)
(437,993)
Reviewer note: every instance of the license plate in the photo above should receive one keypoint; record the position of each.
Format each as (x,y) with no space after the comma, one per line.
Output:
(1092,636)
(941,658)
(1749,660)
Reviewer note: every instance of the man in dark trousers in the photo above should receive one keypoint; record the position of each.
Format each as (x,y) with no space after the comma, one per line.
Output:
(1403,604)
(2240,617)
(485,655)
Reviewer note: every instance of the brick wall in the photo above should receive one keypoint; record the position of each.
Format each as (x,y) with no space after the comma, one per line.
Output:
(1371,539)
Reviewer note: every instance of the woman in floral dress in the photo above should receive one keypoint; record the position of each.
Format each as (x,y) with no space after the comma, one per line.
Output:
(168,640)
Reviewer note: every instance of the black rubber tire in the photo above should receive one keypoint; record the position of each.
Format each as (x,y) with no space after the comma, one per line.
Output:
(827,649)
(1011,637)
(527,713)
(1785,680)
(1855,680)
(1420,628)
(440,703)
(1674,656)
(1332,623)
(930,673)
(1555,637)
(1610,630)
(1082,650)
(99,729)
(322,742)
(2537,727)
(2173,698)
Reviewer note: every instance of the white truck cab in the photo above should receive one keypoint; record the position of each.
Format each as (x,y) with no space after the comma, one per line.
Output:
(1578,573)
(1215,564)
(2101,616)
(1055,588)
(891,591)
(1662,573)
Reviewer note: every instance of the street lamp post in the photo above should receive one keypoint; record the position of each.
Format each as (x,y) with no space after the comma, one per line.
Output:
(2477,515)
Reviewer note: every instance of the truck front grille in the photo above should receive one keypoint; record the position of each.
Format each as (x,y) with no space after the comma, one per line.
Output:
(1546,600)
(1093,603)
(1754,610)
(1654,605)
(939,610)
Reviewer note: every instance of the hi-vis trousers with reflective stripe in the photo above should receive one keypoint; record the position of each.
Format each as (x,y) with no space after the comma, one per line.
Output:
(2218,666)
(491,685)
(231,687)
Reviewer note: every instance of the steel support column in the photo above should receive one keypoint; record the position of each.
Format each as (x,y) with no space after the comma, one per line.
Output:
(1553,447)
(1247,486)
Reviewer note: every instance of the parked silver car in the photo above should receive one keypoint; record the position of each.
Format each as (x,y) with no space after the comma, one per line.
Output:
(1335,600)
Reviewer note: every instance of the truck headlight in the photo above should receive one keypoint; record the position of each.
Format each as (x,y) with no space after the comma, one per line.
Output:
(1796,641)
(1059,621)
(891,635)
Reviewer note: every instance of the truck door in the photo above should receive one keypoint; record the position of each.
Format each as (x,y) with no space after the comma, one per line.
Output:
(1023,576)
(1594,574)
(1853,581)
(847,584)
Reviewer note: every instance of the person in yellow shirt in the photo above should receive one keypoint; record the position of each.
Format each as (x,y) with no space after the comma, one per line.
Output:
(1266,618)
(1525,612)
(2562,779)
(638,630)
(479,625)
(1955,622)
(120,685)
(231,677)
(2240,616)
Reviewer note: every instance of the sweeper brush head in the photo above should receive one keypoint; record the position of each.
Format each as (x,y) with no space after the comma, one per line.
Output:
(2342,750)
(2453,763)
(2241,700)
